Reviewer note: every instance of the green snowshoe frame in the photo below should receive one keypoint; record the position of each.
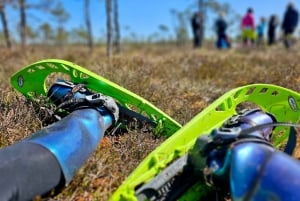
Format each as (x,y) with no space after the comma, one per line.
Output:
(31,82)
(281,102)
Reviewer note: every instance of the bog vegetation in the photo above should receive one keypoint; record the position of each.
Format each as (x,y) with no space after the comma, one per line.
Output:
(180,81)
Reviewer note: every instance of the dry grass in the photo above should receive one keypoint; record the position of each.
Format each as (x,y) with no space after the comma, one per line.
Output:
(180,81)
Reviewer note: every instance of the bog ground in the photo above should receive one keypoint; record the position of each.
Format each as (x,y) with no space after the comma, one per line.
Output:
(179,81)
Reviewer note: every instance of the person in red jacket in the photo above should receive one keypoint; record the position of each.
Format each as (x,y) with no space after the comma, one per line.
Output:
(248,28)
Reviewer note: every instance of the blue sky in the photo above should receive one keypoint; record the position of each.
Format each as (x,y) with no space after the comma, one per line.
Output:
(142,17)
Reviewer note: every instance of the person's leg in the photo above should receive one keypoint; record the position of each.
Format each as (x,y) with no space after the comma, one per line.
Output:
(253,37)
(260,40)
(219,41)
(227,41)
(27,170)
(286,39)
(51,157)
(244,37)
(270,39)
(197,42)
(74,138)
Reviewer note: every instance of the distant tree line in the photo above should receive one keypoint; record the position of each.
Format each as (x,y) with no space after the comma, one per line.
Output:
(55,33)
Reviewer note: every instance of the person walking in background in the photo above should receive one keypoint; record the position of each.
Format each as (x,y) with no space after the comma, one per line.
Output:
(197,26)
(248,28)
(261,31)
(272,25)
(289,24)
(222,38)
